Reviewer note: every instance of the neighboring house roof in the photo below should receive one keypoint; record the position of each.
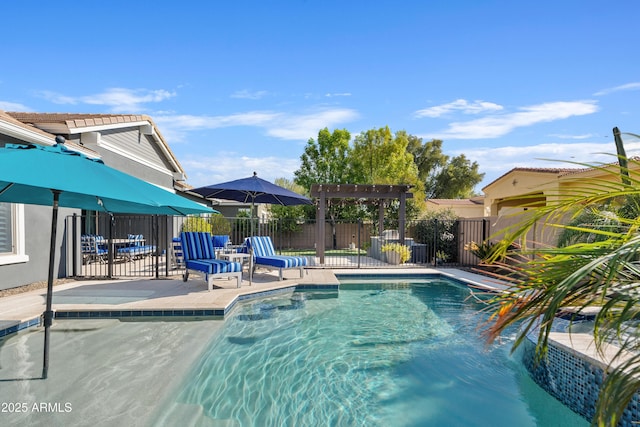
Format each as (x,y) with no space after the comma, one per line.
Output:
(549,171)
(73,123)
(458,202)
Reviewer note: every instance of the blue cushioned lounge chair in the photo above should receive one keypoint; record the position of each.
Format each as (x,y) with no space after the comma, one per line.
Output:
(199,255)
(94,248)
(220,242)
(265,256)
(136,248)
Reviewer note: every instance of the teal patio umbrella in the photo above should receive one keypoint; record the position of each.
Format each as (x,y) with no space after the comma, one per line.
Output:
(56,176)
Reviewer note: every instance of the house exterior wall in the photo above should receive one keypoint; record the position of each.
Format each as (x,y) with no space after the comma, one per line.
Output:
(468,210)
(129,150)
(134,153)
(517,193)
(37,241)
(518,187)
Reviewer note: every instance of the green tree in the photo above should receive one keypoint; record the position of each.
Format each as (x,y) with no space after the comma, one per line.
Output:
(456,180)
(443,177)
(427,156)
(380,157)
(290,217)
(596,271)
(325,161)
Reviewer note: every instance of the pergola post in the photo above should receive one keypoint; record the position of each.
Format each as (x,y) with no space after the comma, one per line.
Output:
(320,227)
(380,217)
(402,216)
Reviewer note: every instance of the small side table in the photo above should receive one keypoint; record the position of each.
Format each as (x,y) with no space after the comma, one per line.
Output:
(235,256)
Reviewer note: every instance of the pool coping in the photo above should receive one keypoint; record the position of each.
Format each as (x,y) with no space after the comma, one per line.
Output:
(188,301)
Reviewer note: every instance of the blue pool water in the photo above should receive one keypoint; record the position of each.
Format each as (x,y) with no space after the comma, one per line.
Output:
(401,353)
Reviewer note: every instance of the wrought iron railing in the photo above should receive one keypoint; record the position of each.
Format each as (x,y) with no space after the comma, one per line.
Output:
(346,244)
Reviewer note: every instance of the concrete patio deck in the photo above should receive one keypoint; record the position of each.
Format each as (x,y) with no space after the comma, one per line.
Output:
(174,297)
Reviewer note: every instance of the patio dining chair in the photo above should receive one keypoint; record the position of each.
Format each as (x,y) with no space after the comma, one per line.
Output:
(94,248)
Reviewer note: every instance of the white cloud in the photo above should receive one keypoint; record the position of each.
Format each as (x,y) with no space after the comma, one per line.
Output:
(57,98)
(190,122)
(278,125)
(13,106)
(118,99)
(331,95)
(495,162)
(462,105)
(565,136)
(228,166)
(246,94)
(628,86)
(307,125)
(498,125)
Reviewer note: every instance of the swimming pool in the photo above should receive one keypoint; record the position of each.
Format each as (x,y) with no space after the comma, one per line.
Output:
(385,353)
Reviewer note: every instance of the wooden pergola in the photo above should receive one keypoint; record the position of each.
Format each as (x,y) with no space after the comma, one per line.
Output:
(359,191)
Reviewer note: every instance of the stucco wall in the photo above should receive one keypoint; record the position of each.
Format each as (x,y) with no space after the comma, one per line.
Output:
(37,242)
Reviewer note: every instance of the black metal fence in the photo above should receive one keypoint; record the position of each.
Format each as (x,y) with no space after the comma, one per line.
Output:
(142,246)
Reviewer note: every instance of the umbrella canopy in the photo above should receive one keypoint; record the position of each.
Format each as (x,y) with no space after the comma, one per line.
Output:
(252,190)
(28,174)
(55,176)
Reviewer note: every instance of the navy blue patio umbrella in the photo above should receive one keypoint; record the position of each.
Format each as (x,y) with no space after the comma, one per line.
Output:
(56,176)
(252,190)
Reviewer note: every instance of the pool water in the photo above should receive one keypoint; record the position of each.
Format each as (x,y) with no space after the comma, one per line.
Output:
(401,353)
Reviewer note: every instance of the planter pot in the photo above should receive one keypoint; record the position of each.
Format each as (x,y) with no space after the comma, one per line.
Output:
(419,253)
(392,257)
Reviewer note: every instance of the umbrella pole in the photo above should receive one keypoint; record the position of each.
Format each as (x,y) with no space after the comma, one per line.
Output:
(48,314)
(251,245)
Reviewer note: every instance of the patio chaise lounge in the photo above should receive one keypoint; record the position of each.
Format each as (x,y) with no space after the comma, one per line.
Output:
(265,256)
(135,248)
(199,255)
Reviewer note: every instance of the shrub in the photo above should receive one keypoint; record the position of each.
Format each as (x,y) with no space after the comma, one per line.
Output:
(403,250)
(196,223)
(220,225)
(482,250)
(439,229)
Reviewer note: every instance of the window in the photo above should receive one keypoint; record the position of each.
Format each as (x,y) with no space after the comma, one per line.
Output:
(6,230)
(12,236)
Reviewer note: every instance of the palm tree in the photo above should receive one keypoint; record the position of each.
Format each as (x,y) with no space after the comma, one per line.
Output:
(597,268)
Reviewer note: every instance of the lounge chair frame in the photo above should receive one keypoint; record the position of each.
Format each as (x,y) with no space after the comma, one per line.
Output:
(199,255)
(264,255)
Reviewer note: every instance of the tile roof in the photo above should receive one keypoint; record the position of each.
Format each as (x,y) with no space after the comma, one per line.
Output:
(6,117)
(551,171)
(457,202)
(77,120)
(80,120)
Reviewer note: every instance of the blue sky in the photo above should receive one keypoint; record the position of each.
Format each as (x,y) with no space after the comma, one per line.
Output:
(241,86)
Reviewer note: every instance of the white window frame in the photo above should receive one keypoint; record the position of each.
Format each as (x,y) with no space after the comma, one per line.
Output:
(18,229)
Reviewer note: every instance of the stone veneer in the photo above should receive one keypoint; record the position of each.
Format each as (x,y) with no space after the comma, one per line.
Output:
(573,380)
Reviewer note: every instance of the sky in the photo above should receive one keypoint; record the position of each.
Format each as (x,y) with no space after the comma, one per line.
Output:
(237,87)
